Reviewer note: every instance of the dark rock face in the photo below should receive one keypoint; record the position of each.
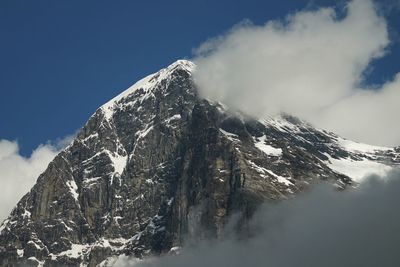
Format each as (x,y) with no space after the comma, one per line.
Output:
(157,165)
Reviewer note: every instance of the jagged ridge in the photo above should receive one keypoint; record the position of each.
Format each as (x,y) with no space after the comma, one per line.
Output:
(157,163)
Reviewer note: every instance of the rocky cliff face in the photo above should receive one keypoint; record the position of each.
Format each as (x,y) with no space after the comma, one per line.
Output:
(157,164)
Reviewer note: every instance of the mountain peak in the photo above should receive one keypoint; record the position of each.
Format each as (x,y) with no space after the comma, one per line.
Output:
(157,164)
(148,83)
(182,63)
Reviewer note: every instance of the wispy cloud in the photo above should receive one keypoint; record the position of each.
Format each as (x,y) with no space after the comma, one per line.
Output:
(311,64)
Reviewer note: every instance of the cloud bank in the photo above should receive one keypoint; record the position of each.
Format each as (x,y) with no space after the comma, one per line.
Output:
(18,173)
(320,228)
(311,64)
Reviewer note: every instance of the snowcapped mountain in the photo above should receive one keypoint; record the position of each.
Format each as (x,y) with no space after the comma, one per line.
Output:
(158,164)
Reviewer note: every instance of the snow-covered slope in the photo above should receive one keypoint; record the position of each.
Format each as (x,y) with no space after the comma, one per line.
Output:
(353,159)
(365,160)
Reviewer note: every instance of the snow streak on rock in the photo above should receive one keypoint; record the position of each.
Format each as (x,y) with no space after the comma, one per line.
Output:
(157,164)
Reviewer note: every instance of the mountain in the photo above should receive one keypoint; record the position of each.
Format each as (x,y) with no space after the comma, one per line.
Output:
(158,164)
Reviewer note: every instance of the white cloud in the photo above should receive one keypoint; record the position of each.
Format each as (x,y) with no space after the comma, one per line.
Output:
(18,173)
(310,65)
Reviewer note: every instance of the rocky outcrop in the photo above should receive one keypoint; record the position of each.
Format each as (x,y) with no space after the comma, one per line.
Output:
(157,164)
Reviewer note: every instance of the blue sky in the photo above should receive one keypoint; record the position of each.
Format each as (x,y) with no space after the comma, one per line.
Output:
(60,60)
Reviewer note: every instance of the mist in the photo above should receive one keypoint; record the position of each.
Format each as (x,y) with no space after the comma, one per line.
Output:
(311,64)
(322,227)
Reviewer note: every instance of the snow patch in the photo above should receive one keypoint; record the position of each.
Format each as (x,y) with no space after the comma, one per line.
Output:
(73,188)
(40,263)
(149,181)
(145,132)
(280,123)
(4,225)
(118,161)
(175,250)
(230,136)
(262,170)
(258,168)
(140,135)
(357,169)
(94,135)
(26,215)
(36,245)
(76,251)
(66,226)
(267,149)
(280,179)
(20,253)
(173,118)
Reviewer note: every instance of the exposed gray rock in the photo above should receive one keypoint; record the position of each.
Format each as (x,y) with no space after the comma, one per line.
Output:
(158,164)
